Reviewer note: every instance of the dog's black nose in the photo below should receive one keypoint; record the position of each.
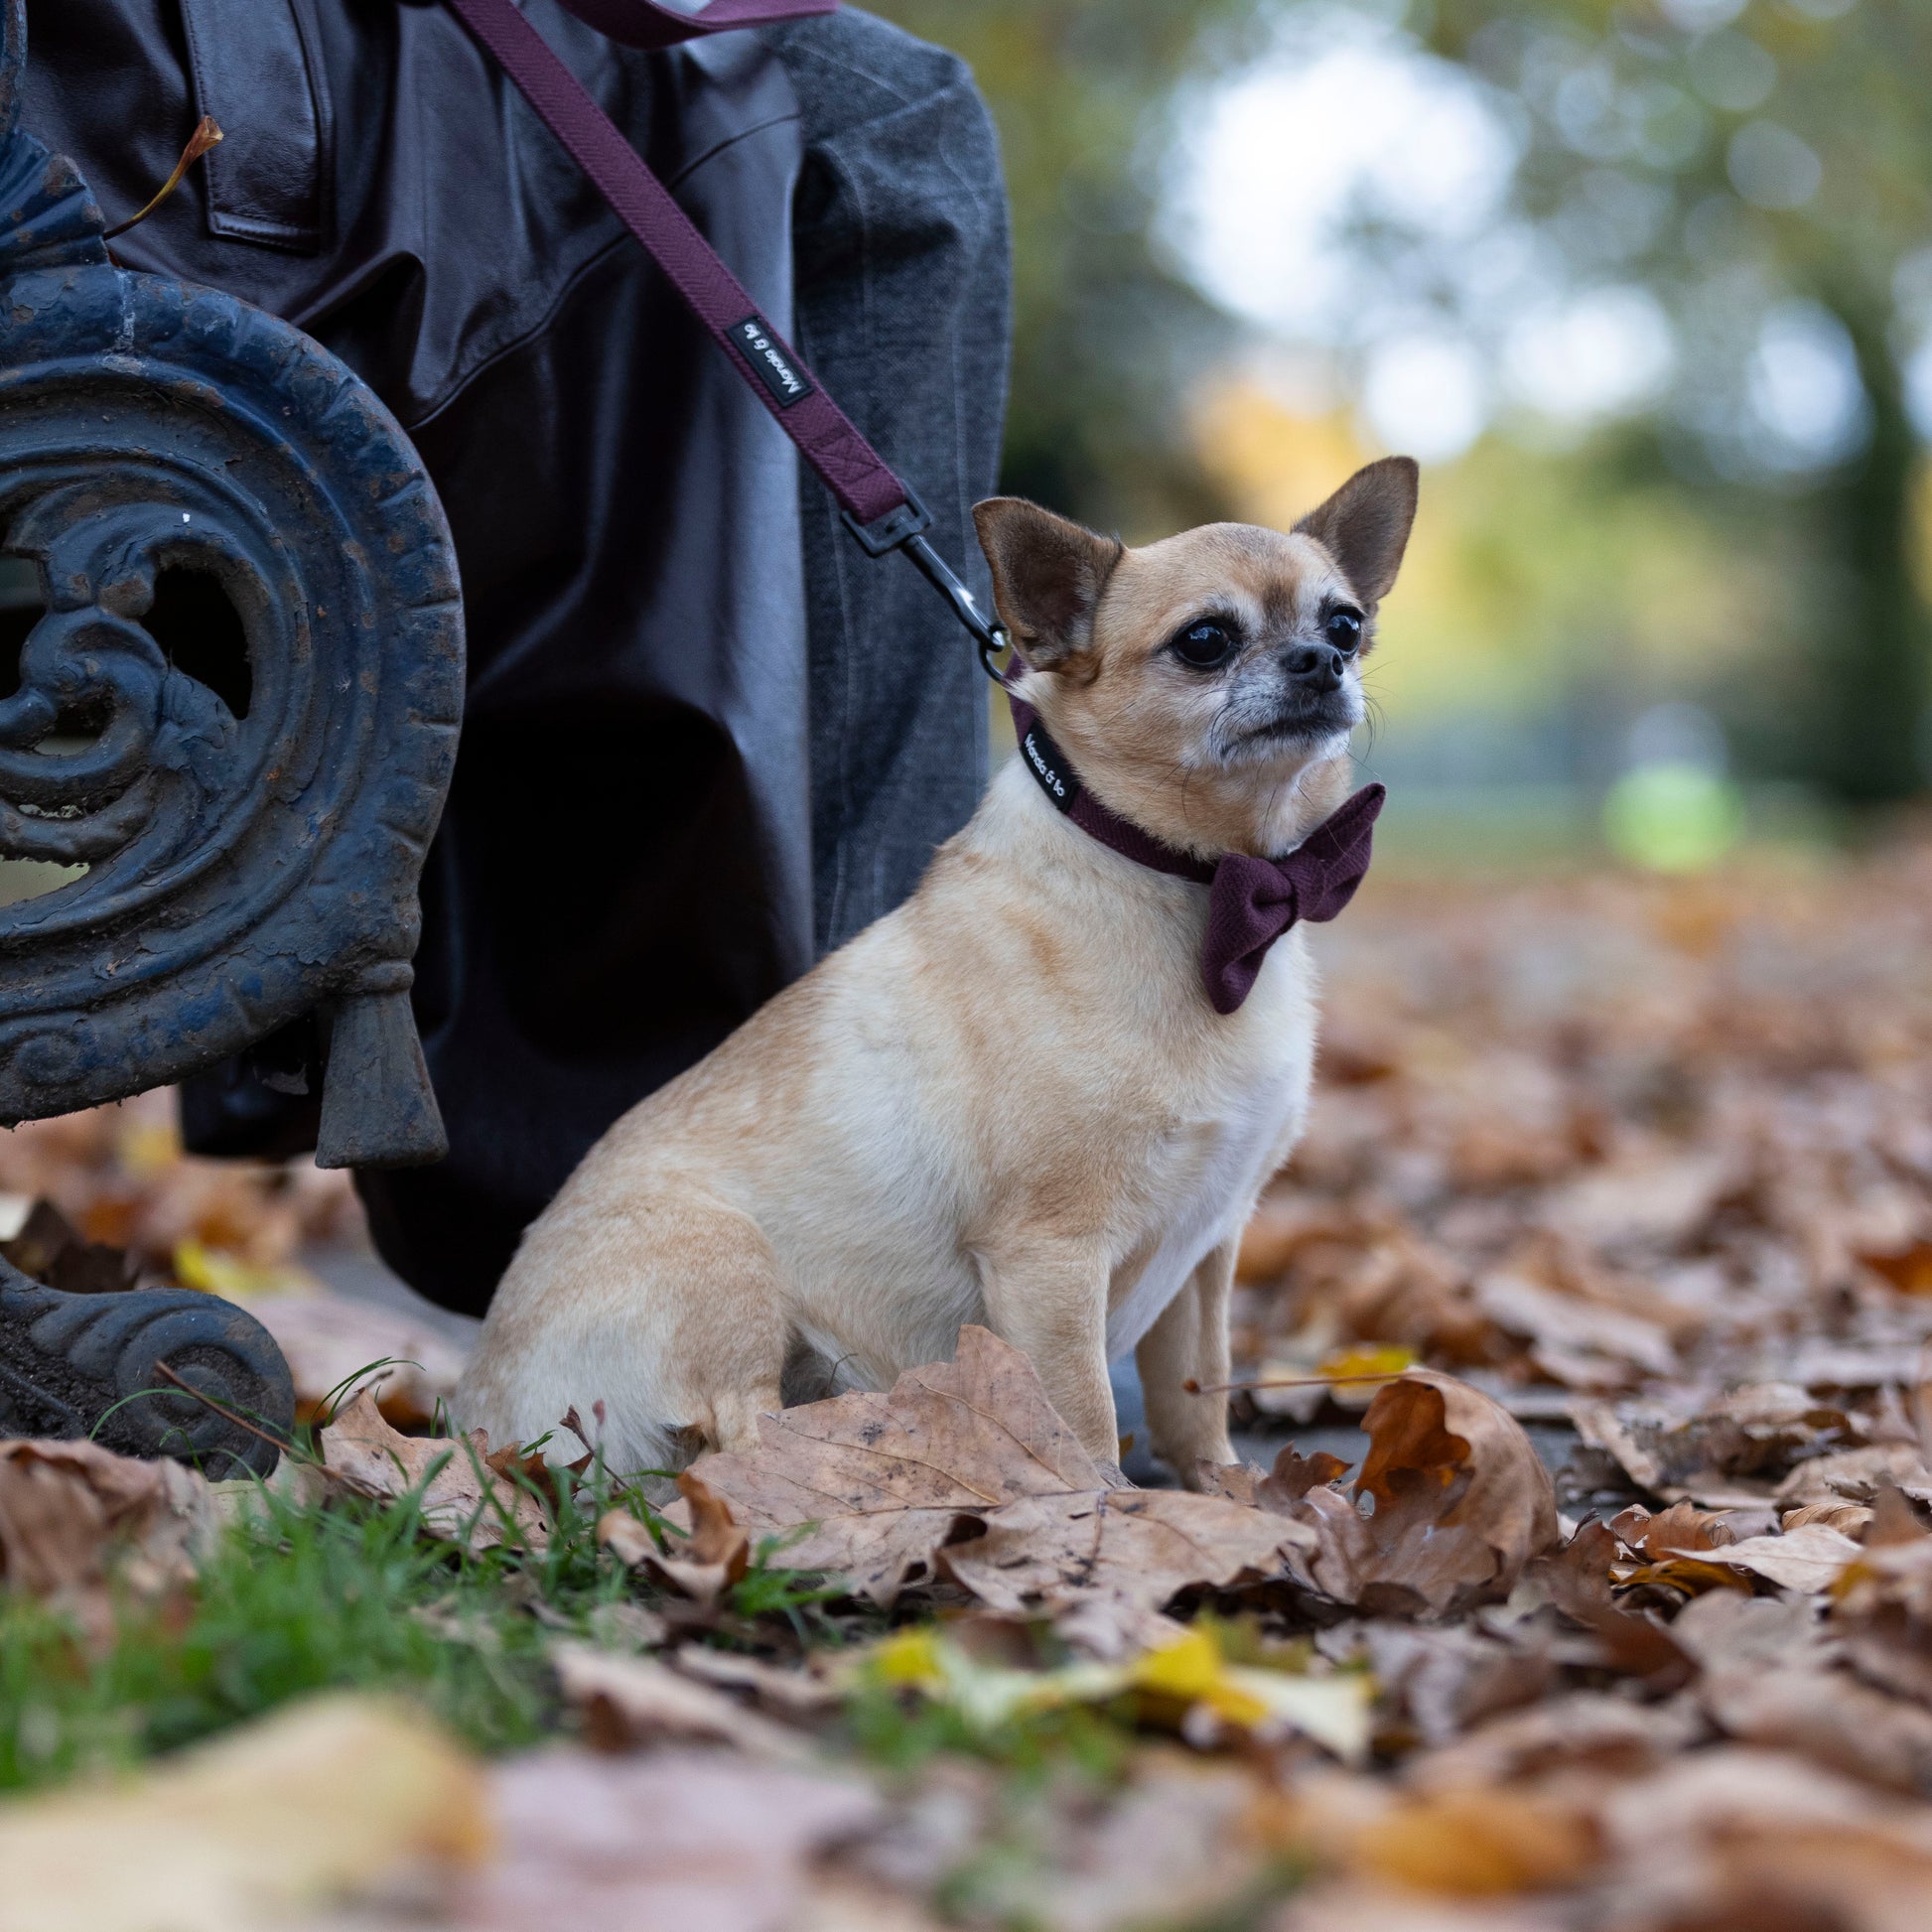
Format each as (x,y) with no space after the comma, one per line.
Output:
(1318,665)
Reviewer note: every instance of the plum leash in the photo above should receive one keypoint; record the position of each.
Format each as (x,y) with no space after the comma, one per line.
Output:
(879,510)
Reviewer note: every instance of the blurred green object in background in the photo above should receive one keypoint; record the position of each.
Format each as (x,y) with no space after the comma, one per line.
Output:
(1675,817)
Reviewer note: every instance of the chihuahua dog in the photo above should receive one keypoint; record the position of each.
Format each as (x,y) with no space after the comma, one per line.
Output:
(1009,1101)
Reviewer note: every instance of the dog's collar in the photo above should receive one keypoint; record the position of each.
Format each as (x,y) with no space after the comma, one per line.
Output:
(1251,902)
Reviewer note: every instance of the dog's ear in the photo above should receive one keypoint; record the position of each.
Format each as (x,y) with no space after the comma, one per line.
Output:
(1047,576)
(1364,525)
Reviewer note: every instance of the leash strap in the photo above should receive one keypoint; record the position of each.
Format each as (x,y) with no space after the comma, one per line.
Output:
(663,23)
(879,510)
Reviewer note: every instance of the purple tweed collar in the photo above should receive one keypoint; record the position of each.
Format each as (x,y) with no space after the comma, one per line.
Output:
(1251,902)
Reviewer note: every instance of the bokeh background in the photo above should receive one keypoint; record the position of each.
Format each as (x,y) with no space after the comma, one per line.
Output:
(1646,287)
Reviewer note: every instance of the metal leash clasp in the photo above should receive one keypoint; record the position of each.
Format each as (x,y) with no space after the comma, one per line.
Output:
(905,529)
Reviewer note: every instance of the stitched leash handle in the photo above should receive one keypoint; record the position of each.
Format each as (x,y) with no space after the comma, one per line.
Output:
(879,510)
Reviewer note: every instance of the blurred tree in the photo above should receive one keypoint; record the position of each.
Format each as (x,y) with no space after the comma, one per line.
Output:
(1764,167)
(1105,338)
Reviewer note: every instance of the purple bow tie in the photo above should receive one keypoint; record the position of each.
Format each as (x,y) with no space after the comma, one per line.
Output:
(1251,902)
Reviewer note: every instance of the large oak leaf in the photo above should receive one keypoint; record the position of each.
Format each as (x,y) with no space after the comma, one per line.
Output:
(969,1457)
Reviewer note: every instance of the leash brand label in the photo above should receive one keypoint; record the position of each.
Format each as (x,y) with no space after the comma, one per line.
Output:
(1061,786)
(769,359)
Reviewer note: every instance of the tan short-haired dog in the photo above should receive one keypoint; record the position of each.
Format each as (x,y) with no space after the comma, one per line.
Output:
(1011,1101)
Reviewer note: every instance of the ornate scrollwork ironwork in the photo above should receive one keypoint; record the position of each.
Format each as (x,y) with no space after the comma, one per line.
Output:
(78,1364)
(252,842)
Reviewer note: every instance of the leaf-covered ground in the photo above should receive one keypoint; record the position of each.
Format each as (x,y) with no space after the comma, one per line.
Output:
(1607,1265)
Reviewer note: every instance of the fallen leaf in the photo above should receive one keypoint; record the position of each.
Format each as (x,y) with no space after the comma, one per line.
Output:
(1266,1704)
(714,1557)
(462,1499)
(627,1700)
(1811,1558)
(1578,1579)
(1680,1527)
(330,1342)
(1475,1844)
(1726,1452)
(1445,1680)
(1599,1347)
(1187,1676)
(964,1466)
(1828,1717)
(627,1537)
(792,1693)
(321,1801)
(1352,1906)
(1909,1270)
(1461,1503)
(1849,1519)
(699,1841)
(1857,1475)
(73,1515)
(1883,1603)
(50,1248)
(1589,1733)
(1103,1562)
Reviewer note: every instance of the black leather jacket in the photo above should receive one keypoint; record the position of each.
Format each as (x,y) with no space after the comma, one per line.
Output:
(705,737)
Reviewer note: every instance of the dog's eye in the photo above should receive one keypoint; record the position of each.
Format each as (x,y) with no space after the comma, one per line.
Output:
(1204,644)
(1345,629)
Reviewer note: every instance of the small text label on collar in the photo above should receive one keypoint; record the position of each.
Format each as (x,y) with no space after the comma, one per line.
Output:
(1059,786)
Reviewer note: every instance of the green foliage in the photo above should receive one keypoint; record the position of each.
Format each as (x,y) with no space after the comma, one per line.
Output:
(1631,173)
(298,1599)
(294,1600)
(1082,90)
(1784,155)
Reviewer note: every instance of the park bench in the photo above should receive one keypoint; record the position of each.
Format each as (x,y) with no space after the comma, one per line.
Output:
(240,673)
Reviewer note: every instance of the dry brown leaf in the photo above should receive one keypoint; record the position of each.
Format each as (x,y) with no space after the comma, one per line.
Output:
(1684,1837)
(686,1840)
(1577,1342)
(626,1536)
(1849,1519)
(73,1514)
(627,1700)
(462,1497)
(1171,1852)
(1857,1475)
(331,1340)
(1578,1579)
(1578,1733)
(1909,1270)
(887,1482)
(716,1555)
(1292,1477)
(1447,1679)
(1461,1504)
(320,1801)
(1680,1527)
(1656,1200)
(794,1693)
(1826,1716)
(1103,1562)
(1883,1608)
(1811,1558)
(1475,1844)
